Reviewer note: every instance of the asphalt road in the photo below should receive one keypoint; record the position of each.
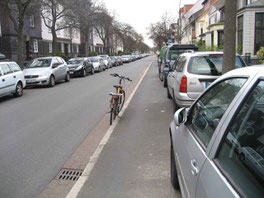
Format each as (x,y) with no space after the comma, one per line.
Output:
(40,131)
(135,163)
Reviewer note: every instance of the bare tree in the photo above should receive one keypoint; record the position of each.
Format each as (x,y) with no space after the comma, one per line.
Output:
(16,10)
(229,35)
(57,15)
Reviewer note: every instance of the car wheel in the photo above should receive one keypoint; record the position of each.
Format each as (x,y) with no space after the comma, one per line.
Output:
(242,157)
(92,71)
(19,89)
(168,93)
(67,77)
(160,76)
(84,73)
(164,82)
(174,175)
(52,81)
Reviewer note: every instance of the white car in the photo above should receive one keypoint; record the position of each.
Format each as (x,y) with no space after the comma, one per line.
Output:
(98,63)
(46,71)
(107,61)
(12,79)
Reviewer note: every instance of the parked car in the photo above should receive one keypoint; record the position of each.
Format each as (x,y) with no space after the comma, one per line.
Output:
(12,79)
(205,161)
(119,59)
(46,71)
(126,58)
(107,61)
(192,73)
(171,54)
(98,63)
(114,61)
(80,66)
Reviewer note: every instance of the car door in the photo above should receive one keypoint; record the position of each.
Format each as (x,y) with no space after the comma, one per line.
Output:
(171,77)
(56,69)
(178,74)
(62,68)
(236,162)
(2,82)
(7,79)
(192,139)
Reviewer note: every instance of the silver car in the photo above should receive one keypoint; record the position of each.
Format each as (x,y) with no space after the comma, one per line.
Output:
(12,79)
(192,73)
(217,145)
(46,71)
(107,61)
(98,63)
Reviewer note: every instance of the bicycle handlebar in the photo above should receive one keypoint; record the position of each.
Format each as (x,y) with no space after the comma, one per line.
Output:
(120,76)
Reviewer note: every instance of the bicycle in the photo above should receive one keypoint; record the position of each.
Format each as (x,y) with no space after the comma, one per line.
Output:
(118,98)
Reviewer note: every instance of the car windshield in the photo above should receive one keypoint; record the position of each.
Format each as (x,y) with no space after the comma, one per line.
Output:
(209,65)
(44,62)
(75,61)
(174,54)
(94,60)
(104,57)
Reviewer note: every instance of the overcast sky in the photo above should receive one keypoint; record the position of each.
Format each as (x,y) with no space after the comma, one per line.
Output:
(141,13)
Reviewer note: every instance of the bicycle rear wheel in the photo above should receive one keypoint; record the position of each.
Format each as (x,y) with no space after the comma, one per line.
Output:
(112,116)
(121,100)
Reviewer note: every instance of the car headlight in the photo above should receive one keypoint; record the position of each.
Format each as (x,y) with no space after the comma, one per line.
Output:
(79,67)
(46,74)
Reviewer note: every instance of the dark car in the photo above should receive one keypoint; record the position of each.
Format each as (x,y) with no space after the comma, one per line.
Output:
(114,61)
(171,54)
(80,66)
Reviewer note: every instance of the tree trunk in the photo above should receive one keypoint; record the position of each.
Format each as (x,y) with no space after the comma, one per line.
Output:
(20,48)
(229,36)
(54,42)
(87,45)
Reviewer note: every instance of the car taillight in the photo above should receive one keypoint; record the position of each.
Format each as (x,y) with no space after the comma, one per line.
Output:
(183,86)
(166,66)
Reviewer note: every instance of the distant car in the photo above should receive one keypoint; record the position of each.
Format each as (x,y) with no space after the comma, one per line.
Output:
(98,63)
(80,66)
(114,61)
(192,73)
(172,53)
(126,58)
(46,71)
(2,56)
(107,61)
(12,79)
(217,145)
(119,59)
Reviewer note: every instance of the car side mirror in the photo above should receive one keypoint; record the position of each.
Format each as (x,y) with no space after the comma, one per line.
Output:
(180,116)
(54,65)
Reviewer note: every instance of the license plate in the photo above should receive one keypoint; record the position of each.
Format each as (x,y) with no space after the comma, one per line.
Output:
(71,72)
(31,80)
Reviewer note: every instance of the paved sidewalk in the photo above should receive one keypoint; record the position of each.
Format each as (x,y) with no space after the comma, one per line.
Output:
(135,162)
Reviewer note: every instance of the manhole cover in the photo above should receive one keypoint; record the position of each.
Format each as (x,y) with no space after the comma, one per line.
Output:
(69,174)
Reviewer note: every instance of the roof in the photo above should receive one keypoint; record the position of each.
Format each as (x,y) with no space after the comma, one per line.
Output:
(219,4)
(195,16)
(188,7)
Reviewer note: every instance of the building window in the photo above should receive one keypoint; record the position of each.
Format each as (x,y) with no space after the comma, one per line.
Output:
(50,47)
(222,15)
(220,36)
(35,46)
(0,29)
(31,21)
(259,37)
(62,48)
(240,31)
(247,2)
(77,49)
(201,29)
(69,48)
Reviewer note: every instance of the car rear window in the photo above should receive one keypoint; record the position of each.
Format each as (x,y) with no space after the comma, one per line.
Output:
(209,65)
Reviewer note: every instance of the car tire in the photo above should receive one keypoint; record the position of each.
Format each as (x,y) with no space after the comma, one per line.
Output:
(174,175)
(67,77)
(84,73)
(92,71)
(164,82)
(168,93)
(52,81)
(19,89)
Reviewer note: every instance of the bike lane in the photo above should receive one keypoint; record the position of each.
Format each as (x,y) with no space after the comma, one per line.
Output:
(135,161)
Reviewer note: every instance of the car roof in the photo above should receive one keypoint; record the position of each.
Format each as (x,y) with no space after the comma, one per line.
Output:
(6,61)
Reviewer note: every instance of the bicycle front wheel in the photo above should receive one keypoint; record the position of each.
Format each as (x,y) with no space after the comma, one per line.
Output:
(121,100)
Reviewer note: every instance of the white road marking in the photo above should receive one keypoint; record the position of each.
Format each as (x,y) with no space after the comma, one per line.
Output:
(89,167)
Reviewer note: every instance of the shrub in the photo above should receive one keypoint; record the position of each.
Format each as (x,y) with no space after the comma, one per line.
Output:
(93,53)
(59,53)
(260,55)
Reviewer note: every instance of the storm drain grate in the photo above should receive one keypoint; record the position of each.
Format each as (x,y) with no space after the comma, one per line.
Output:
(69,174)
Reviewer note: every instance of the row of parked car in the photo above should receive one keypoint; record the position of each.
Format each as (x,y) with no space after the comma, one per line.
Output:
(46,71)
(217,133)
